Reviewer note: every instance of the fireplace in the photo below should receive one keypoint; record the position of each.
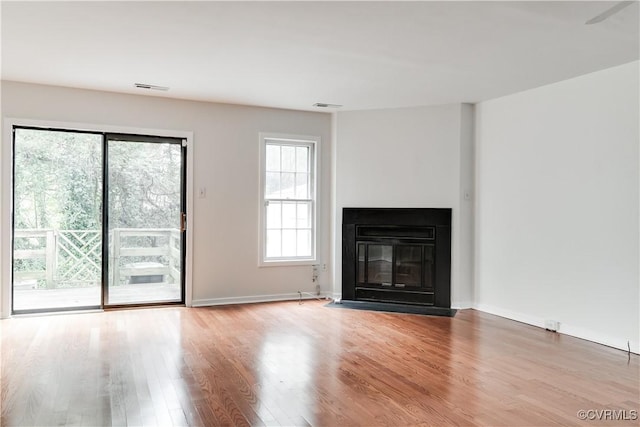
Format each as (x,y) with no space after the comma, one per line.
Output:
(397,256)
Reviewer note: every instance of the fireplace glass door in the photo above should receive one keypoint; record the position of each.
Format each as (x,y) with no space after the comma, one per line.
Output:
(408,266)
(397,265)
(379,264)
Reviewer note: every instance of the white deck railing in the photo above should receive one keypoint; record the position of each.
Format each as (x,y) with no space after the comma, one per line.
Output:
(66,257)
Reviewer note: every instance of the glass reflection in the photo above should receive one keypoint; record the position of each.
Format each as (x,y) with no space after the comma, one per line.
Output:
(286,367)
(380,263)
(408,265)
(361,263)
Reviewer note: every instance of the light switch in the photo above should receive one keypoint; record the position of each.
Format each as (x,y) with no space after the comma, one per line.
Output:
(202,192)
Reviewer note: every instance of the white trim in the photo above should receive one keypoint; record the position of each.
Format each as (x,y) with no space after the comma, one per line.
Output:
(315,142)
(335,240)
(6,188)
(574,331)
(289,263)
(461,305)
(6,191)
(255,299)
(88,127)
(188,274)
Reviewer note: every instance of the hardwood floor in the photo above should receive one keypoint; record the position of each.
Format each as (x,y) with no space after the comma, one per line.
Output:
(298,365)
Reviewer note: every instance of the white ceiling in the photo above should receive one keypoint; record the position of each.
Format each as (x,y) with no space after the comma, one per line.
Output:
(292,54)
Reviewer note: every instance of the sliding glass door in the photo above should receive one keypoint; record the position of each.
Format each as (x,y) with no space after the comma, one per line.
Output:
(57,220)
(145,220)
(98,220)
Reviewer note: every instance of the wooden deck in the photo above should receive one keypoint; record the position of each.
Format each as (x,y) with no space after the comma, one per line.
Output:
(298,365)
(33,299)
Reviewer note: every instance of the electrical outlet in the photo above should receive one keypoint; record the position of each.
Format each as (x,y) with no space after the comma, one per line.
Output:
(552,325)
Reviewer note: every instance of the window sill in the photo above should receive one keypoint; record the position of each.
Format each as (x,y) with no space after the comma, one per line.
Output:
(288,263)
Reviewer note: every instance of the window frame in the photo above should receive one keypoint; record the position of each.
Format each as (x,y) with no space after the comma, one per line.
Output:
(313,142)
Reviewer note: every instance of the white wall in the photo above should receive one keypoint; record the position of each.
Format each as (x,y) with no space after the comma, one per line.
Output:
(558,206)
(226,163)
(408,157)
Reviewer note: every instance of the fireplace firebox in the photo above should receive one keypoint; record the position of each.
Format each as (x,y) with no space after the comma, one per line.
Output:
(398,256)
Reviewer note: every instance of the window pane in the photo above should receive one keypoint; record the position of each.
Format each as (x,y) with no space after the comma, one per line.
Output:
(272,185)
(304,242)
(289,215)
(288,242)
(273,243)
(288,184)
(273,158)
(302,185)
(302,159)
(273,214)
(288,158)
(304,214)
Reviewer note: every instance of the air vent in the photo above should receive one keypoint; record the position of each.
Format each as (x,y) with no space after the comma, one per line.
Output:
(151,87)
(324,105)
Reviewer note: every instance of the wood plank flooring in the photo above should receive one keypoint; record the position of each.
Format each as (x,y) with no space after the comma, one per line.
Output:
(298,365)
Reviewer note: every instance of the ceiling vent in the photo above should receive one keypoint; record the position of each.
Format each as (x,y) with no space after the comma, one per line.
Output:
(323,105)
(151,87)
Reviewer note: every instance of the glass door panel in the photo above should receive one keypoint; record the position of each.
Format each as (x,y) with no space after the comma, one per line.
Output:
(429,266)
(57,220)
(408,266)
(379,265)
(362,249)
(145,224)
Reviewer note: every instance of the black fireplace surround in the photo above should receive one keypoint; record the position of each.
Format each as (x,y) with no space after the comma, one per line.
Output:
(397,256)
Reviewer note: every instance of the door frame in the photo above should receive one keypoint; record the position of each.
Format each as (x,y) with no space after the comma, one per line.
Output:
(6,195)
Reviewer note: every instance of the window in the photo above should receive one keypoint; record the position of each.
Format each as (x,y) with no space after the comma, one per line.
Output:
(288,202)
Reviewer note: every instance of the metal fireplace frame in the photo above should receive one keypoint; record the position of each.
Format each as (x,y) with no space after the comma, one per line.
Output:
(397,227)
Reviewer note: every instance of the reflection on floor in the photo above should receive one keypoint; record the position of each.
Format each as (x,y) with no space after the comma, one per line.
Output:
(305,364)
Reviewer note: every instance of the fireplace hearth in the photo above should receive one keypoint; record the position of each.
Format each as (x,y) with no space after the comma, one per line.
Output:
(397,256)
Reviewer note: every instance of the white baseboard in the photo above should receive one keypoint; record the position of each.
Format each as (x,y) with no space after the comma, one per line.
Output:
(461,305)
(566,329)
(254,299)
